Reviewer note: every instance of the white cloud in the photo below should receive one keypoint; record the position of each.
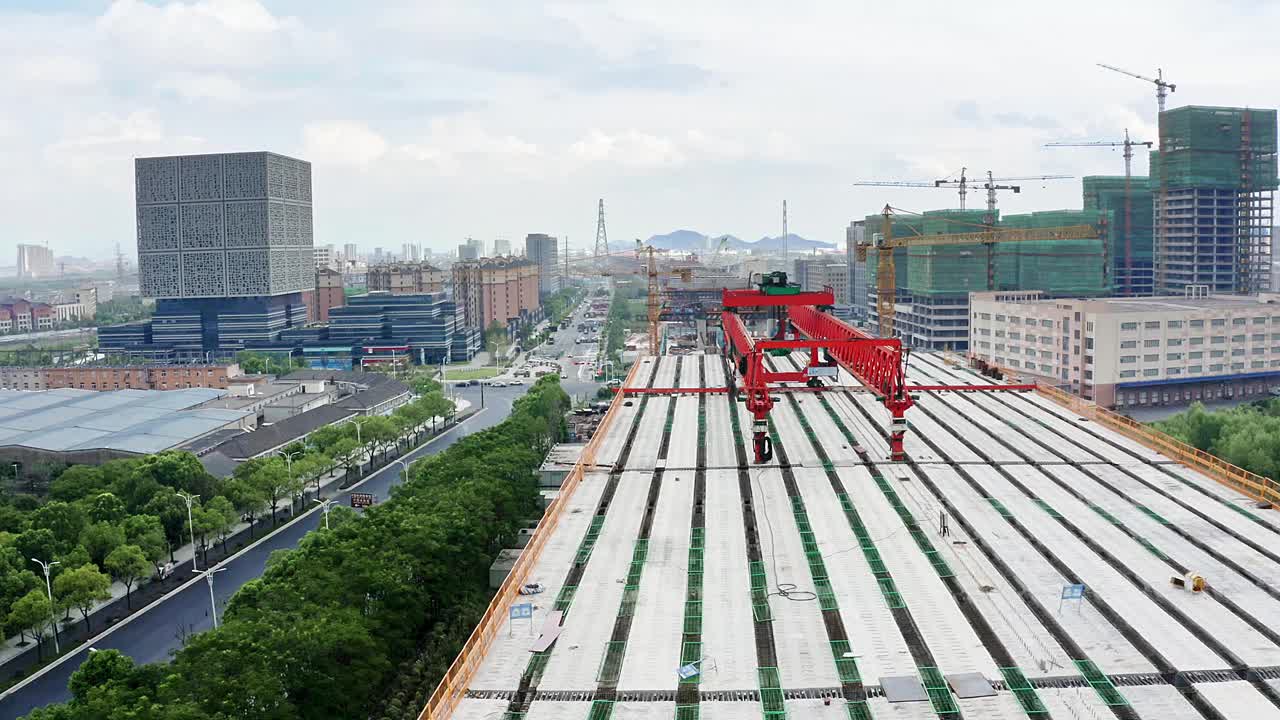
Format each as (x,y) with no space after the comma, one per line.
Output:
(456,144)
(201,86)
(53,72)
(208,33)
(343,143)
(108,141)
(629,148)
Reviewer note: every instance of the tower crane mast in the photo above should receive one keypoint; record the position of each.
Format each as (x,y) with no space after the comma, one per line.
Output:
(1127,144)
(1162,88)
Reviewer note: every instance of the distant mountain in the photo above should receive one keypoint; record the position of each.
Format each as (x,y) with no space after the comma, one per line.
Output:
(692,240)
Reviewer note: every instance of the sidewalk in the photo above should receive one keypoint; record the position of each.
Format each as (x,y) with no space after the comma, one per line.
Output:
(146,590)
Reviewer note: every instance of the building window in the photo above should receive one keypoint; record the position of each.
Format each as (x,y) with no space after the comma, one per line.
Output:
(1046,323)
(1088,374)
(1127,359)
(1173,356)
(1151,324)
(1258,364)
(1174,324)
(1151,343)
(1196,323)
(1237,322)
(1195,355)
(1237,338)
(1151,372)
(1128,373)
(1216,367)
(1217,353)
(1218,322)
(1175,342)
(1259,337)
(1153,357)
(1195,368)
(1089,326)
(1129,326)
(1000,318)
(1257,351)
(1237,366)
(1128,344)
(1088,343)
(1174,371)
(1261,320)
(1197,341)
(1218,339)
(1237,352)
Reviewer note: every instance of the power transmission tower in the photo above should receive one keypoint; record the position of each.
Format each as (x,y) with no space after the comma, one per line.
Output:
(785,255)
(564,279)
(119,264)
(602,238)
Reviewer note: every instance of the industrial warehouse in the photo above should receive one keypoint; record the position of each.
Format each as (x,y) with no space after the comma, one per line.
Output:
(1023,560)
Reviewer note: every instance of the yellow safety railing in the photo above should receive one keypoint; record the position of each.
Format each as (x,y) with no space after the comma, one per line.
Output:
(1237,478)
(453,686)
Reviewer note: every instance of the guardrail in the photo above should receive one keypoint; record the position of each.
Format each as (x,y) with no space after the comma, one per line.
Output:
(1237,478)
(453,686)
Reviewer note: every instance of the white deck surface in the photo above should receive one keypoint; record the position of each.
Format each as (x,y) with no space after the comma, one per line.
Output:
(956,440)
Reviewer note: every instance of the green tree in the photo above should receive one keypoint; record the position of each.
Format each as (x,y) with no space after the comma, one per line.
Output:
(380,433)
(346,452)
(65,520)
(222,518)
(37,543)
(77,481)
(81,588)
(127,565)
(33,614)
(247,498)
(179,470)
(106,507)
(272,480)
(146,532)
(171,510)
(99,539)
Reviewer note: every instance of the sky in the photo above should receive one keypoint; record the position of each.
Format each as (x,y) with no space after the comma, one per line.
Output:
(429,122)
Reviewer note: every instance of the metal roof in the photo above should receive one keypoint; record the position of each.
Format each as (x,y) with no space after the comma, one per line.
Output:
(136,421)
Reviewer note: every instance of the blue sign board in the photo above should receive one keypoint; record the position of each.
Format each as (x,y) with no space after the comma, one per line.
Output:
(1072,592)
(523,611)
(687,671)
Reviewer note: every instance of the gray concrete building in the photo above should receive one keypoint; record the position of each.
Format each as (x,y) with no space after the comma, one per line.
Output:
(224,225)
(542,249)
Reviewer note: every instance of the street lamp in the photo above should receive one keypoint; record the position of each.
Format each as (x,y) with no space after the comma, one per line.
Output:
(288,460)
(48,586)
(191,524)
(325,505)
(213,605)
(405,469)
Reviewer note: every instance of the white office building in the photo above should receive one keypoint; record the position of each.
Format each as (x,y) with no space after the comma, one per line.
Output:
(1123,352)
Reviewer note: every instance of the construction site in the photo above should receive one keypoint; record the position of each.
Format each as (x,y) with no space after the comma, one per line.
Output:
(1202,217)
(816,523)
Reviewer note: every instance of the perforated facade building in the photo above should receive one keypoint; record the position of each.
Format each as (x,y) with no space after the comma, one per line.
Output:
(224,225)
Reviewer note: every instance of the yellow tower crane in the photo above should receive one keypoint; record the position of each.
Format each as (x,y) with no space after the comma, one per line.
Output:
(885,243)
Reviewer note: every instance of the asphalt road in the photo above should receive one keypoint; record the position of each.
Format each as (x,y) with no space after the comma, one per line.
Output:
(151,636)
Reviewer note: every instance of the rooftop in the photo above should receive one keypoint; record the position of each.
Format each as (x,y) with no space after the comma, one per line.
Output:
(133,421)
(946,584)
(1171,303)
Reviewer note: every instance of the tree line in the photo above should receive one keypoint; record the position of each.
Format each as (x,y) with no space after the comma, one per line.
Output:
(1247,436)
(123,520)
(360,620)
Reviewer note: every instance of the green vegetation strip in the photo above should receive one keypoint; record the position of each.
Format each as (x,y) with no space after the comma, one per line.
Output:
(396,590)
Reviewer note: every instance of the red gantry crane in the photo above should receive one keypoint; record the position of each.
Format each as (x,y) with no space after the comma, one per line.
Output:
(878,364)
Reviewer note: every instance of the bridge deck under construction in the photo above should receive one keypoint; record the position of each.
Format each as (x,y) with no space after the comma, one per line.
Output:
(831,583)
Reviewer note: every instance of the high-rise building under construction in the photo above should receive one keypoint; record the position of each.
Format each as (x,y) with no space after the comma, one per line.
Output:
(1213,179)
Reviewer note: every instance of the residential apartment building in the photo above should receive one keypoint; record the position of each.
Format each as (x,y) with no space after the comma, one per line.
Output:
(329,293)
(1133,352)
(542,250)
(405,278)
(326,256)
(34,261)
(502,290)
(819,272)
(82,305)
